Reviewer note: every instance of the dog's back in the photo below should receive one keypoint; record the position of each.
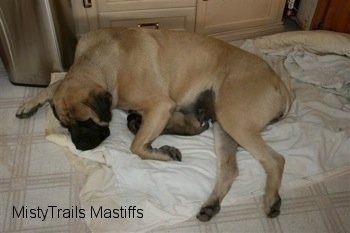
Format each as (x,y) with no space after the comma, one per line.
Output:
(179,64)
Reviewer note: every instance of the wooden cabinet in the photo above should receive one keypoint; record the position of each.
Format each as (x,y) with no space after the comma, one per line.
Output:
(170,14)
(226,19)
(234,19)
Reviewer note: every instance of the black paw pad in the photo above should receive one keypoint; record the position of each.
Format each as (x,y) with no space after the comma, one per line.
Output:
(173,152)
(207,212)
(275,208)
(26,114)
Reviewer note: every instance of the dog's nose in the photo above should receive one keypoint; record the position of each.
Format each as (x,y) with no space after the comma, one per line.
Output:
(85,146)
(87,143)
(87,138)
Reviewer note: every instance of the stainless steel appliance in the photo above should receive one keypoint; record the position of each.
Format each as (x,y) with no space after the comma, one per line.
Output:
(36,38)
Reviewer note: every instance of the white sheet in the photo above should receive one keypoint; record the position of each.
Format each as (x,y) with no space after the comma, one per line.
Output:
(328,71)
(314,138)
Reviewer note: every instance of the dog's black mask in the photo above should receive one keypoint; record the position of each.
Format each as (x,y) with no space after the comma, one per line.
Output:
(87,134)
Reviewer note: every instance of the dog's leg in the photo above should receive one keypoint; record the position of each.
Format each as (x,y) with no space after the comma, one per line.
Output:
(186,124)
(30,107)
(227,171)
(243,109)
(154,121)
(190,120)
(273,163)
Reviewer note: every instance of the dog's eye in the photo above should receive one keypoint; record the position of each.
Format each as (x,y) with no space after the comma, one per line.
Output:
(56,115)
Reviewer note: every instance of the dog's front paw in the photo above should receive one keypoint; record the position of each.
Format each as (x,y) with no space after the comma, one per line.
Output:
(27,110)
(208,211)
(173,152)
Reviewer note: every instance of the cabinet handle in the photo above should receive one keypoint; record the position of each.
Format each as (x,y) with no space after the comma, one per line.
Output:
(87,3)
(155,25)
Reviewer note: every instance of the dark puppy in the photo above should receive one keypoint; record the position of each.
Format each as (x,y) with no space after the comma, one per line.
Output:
(187,121)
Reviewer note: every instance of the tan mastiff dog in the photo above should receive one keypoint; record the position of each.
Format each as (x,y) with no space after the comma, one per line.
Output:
(160,73)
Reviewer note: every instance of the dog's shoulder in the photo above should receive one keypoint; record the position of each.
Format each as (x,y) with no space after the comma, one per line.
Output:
(94,38)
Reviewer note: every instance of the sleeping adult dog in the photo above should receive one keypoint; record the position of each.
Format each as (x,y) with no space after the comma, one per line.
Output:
(158,73)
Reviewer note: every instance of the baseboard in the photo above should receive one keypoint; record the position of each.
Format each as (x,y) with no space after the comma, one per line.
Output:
(252,32)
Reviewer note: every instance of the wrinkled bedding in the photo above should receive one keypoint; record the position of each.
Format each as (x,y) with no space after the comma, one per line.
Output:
(314,138)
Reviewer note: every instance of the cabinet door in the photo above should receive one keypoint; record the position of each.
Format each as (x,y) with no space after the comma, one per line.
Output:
(169,14)
(215,16)
(182,19)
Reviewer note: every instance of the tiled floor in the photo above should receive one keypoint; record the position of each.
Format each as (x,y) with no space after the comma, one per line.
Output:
(33,171)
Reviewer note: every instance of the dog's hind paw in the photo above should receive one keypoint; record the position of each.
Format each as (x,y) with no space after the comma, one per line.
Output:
(207,212)
(173,152)
(275,208)
(27,110)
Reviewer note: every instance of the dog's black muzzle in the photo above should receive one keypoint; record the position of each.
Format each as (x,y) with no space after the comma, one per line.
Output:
(87,135)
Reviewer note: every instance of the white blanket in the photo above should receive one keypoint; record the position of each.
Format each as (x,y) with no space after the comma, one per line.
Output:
(314,138)
(323,70)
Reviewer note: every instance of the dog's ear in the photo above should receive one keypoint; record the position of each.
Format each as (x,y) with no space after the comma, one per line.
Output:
(101,104)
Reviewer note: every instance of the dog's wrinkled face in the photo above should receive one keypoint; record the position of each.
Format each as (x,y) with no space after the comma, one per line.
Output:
(85,115)
(87,134)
